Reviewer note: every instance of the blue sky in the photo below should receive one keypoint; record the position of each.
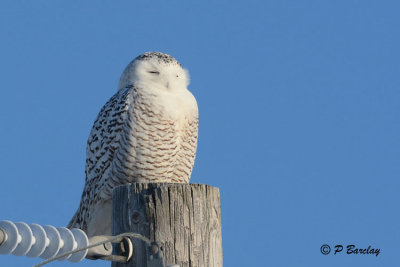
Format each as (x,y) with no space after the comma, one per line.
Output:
(299,116)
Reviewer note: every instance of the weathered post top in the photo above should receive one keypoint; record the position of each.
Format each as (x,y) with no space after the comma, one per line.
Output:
(184,221)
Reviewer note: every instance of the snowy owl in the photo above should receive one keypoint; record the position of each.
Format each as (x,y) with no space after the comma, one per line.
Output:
(146,132)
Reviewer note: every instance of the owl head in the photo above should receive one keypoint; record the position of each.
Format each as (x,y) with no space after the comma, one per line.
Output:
(154,71)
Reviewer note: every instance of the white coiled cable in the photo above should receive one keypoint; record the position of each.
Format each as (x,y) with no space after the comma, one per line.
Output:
(33,240)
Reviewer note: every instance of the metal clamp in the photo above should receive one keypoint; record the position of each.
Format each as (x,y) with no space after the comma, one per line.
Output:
(124,247)
(104,251)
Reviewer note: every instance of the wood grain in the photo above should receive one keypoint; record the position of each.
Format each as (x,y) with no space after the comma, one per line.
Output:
(184,219)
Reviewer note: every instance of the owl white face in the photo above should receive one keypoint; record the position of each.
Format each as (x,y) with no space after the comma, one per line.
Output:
(155,71)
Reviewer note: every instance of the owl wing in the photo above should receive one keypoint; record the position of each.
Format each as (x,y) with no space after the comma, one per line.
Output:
(187,152)
(103,143)
(104,138)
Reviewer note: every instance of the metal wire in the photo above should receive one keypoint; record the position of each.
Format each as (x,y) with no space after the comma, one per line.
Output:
(111,239)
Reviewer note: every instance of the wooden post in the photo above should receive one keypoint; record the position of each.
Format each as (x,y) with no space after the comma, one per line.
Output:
(184,219)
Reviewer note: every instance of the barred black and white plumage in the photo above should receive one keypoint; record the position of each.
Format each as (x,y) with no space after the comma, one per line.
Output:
(146,132)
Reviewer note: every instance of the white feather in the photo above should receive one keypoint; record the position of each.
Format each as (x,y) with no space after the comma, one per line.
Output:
(147,132)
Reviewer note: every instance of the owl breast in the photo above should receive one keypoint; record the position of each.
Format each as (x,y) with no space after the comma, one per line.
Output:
(158,140)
